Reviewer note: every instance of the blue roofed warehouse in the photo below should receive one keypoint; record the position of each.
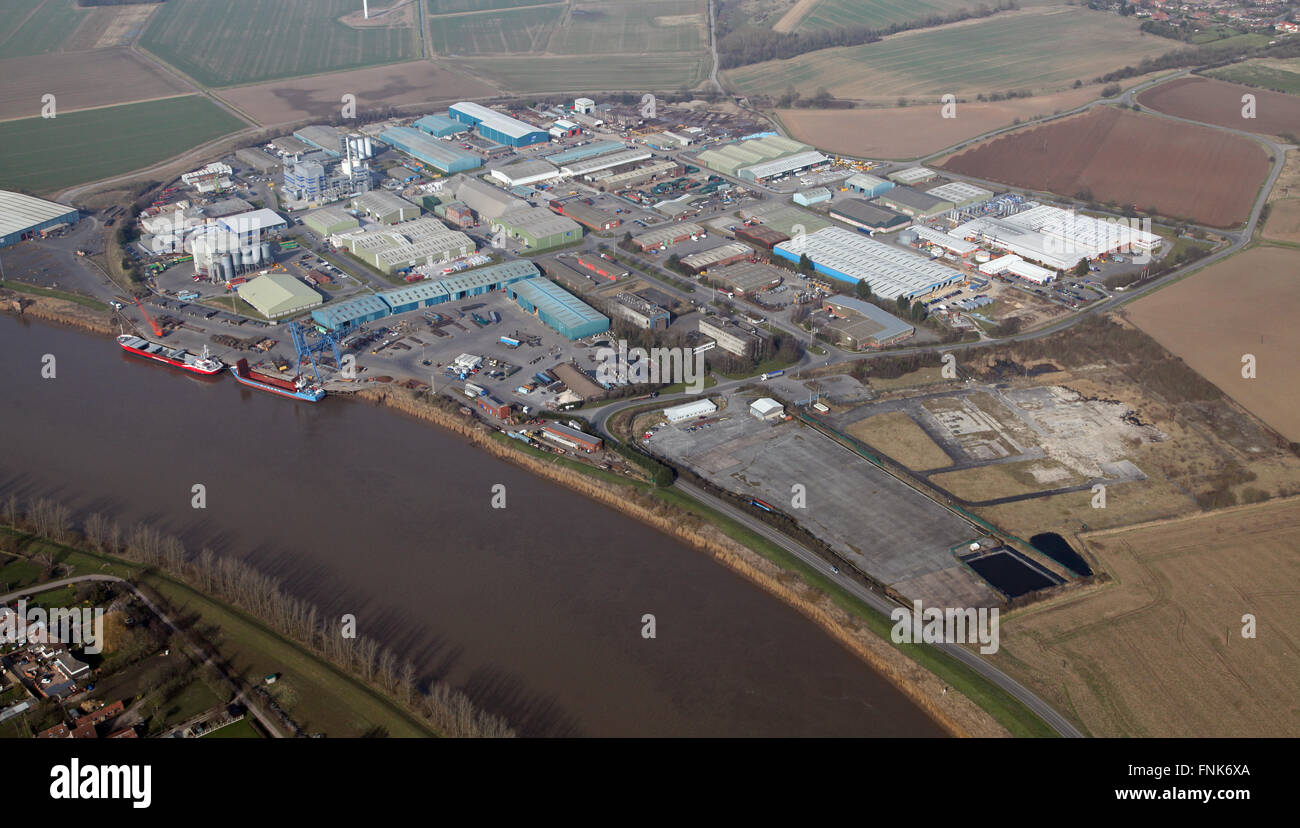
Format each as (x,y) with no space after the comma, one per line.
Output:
(346,314)
(561,310)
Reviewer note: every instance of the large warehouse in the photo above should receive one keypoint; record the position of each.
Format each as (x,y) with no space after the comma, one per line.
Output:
(440,126)
(867,216)
(538,228)
(347,313)
(497,127)
(851,257)
(523,173)
(567,314)
(424,241)
(915,203)
(1054,237)
(278,294)
(861,324)
(23,217)
(441,155)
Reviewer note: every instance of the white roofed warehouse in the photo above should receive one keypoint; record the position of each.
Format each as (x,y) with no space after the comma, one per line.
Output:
(24,217)
(278,294)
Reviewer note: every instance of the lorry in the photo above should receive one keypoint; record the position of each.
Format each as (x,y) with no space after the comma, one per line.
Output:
(509,342)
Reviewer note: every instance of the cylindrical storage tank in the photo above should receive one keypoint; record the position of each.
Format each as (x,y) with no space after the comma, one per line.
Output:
(983,256)
(227,267)
(266,252)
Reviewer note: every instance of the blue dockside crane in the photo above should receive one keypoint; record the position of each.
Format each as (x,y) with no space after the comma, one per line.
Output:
(309,350)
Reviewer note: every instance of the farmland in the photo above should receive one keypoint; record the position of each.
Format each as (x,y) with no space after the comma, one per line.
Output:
(1160,651)
(830,14)
(1278,75)
(1283,221)
(269,39)
(79,80)
(1036,49)
(48,154)
(1219,103)
(378,87)
(573,73)
(42,27)
(1238,306)
(618,27)
(915,131)
(455,6)
(1114,155)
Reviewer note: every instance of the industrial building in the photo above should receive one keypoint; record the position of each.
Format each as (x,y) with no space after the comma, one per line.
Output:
(288,145)
(785,217)
(913,175)
(421,242)
(562,311)
(493,405)
(1054,237)
(564,129)
(1016,266)
(636,175)
(319,177)
(440,126)
(729,336)
(488,279)
(868,185)
(766,409)
(730,159)
(639,312)
(587,166)
(385,207)
(746,278)
(867,216)
(760,235)
(929,235)
(571,437)
(816,195)
(441,155)
(851,257)
(861,324)
(585,151)
(525,172)
(915,203)
(328,221)
(669,234)
(601,267)
(322,137)
(720,256)
(276,295)
(257,159)
(487,201)
(496,126)
(538,228)
(690,411)
(350,312)
(589,216)
(23,217)
(784,165)
(960,193)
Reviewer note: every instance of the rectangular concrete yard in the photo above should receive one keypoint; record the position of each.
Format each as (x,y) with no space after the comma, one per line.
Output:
(889,530)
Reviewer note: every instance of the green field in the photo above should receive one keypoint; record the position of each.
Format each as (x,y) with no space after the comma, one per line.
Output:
(224,44)
(831,14)
(43,155)
(242,729)
(610,27)
(520,30)
(1277,75)
(454,6)
(1043,50)
(42,32)
(580,74)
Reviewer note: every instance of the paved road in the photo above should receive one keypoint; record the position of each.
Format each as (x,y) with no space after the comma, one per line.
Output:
(240,697)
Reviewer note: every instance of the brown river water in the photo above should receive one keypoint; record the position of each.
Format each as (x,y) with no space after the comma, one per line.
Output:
(535,611)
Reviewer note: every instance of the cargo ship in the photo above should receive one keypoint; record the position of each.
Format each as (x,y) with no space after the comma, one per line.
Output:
(205,363)
(298,388)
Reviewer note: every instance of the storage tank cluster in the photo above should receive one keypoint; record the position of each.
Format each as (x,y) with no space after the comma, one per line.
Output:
(221,263)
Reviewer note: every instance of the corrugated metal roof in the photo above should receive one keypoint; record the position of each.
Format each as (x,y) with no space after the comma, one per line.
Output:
(492,119)
(553,300)
(19,212)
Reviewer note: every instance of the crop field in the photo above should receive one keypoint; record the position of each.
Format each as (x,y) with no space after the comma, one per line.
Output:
(830,14)
(1219,103)
(519,30)
(1128,158)
(574,73)
(1160,651)
(37,27)
(44,155)
(612,27)
(222,44)
(916,131)
(1035,49)
(397,84)
(455,6)
(1277,75)
(1283,221)
(1242,305)
(79,80)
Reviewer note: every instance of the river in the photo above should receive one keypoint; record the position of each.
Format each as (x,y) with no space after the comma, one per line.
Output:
(535,611)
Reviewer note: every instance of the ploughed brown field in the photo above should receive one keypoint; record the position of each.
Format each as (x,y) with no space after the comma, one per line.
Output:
(1245,304)
(1219,103)
(1182,170)
(915,131)
(80,80)
(378,87)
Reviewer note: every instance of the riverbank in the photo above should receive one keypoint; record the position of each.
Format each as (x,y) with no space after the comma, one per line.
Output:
(38,303)
(953,711)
